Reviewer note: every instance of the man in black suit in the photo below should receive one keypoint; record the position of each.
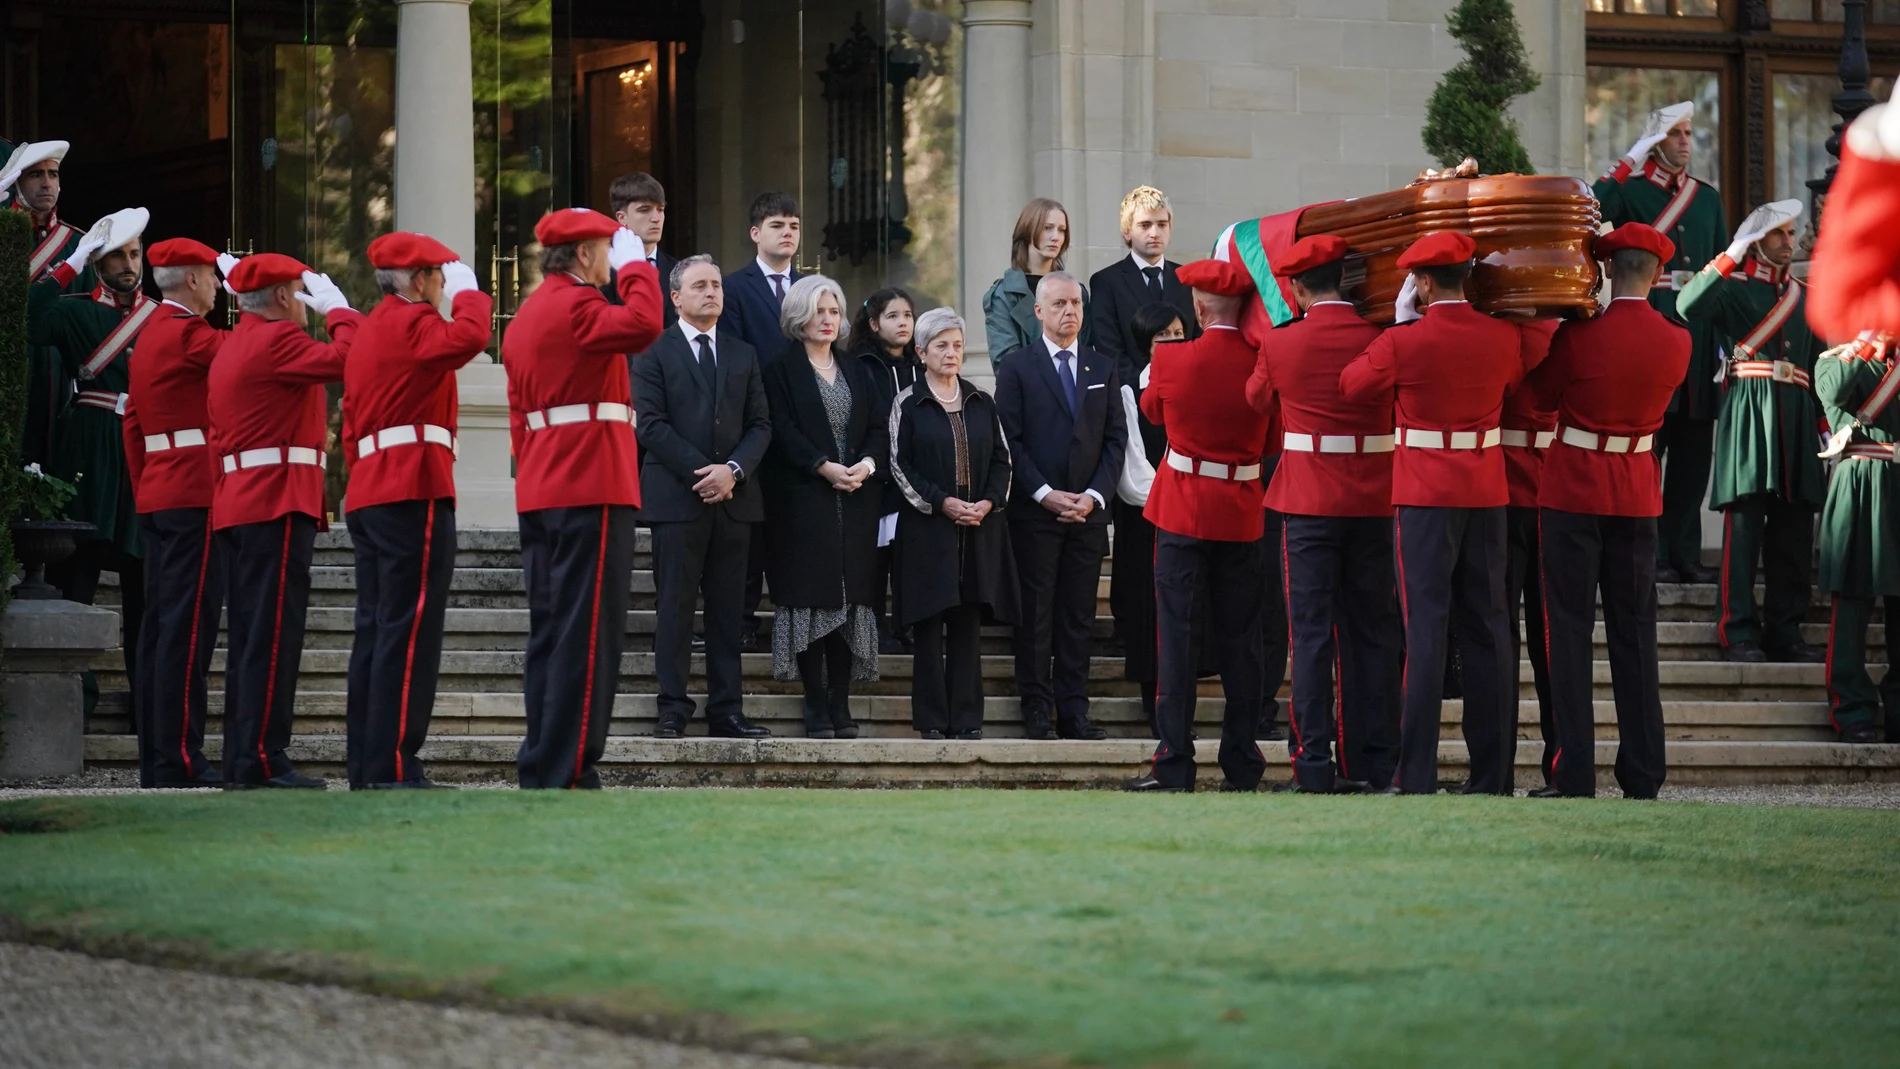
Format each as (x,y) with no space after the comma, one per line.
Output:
(639,204)
(1144,276)
(1060,404)
(701,420)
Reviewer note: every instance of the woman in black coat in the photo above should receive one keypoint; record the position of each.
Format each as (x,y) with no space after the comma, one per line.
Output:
(882,334)
(954,565)
(822,482)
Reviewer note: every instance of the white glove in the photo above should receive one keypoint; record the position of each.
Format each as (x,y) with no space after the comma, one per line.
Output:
(226,262)
(88,247)
(1655,129)
(1753,229)
(1405,309)
(321,294)
(457,277)
(1145,372)
(625,249)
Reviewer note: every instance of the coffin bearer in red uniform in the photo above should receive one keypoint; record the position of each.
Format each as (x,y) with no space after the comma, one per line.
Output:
(1207,511)
(168,453)
(399,407)
(1610,380)
(266,402)
(578,482)
(1529,428)
(1447,375)
(29,182)
(1334,486)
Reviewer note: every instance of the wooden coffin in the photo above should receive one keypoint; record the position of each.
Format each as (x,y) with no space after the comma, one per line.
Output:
(1534,234)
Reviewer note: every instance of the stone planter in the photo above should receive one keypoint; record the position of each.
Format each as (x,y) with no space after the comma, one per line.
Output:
(38,543)
(45,646)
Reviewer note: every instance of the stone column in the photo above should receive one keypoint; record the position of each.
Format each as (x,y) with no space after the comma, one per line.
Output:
(435,195)
(996,157)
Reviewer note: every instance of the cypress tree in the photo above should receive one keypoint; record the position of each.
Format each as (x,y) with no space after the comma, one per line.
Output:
(1466,115)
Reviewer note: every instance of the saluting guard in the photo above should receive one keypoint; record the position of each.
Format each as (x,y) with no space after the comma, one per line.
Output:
(174,474)
(1207,509)
(1860,529)
(1768,480)
(1610,380)
(30,181)
(399,437)
(1446,375)
(265,398)
(1652,184)
(1333,485)
(570,416)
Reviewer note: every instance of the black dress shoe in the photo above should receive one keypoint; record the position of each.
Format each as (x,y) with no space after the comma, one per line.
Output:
(973,735)
(1667,573)
(1082,728)
(1544,792)
(1859,734)
(1351,786)
(846,730)
(1394,789)
(698,645)
(738,728)
(1227,787)
(1270,733)
(297,781)
(1036,726)
(1151,785)
(232,785)
(1745,652)
(749,640)
(1697,573)
(1291,786)
(889,643)
(669,729)
(930,736)
(410,785)
(820,733)
(1797,653)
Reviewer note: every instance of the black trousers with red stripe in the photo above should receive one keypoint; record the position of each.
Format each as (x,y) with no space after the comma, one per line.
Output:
(577,563)
(1523,596)
(1230,576)
(1452,561)
(405,560)
(184,592)
(268,571)
(1616,556)
(1343,611)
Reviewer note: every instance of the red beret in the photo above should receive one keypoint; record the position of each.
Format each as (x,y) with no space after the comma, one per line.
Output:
(1310,252)
(1635,236)
(405,250)
(1224,277)
(1441,248)
(180,252)
(264,270)
(570,225)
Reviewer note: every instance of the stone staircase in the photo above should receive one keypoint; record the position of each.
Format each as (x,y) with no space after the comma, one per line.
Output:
(1727,722)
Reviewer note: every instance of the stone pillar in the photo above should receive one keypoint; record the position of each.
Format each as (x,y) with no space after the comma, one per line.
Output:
(44,648)
(996,157)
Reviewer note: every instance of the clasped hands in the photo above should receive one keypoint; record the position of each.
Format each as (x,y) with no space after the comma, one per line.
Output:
(715,483)
(842,479)
(1069,508)
(965,513)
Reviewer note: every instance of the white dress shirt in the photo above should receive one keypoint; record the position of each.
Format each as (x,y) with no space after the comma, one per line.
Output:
(785,275)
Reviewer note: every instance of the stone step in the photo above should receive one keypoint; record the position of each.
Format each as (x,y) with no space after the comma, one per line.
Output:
(637,761)
(498,713)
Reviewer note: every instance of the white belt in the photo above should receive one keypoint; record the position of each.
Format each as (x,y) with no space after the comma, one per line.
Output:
(1778,370)
(1608,443)
(158,443)
(106,399)
(1417,439)
(1673,280)
(409,434)
(264,458)
(1239,473)
(605,412)
(1524,439)
(1339,443)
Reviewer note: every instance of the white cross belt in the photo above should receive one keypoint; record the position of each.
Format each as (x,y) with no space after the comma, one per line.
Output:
(1413,438)
(264,458)
(409,434)
(1339,443)
(605,412)
(1239,473)
(1607,443)
(1528,439)
(158,443)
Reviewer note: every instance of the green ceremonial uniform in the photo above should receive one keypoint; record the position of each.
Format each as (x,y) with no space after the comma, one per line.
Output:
(1767,477)
(48,388)
(1860,533)
(1700,230)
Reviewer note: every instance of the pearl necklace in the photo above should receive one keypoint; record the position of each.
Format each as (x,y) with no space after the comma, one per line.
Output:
(955,393)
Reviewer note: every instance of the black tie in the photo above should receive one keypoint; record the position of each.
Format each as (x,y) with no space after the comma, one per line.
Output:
(1154,281)
(706,360)
(778,288)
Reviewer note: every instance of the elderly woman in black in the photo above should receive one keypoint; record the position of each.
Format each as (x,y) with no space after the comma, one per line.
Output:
(822,482)
(954,565)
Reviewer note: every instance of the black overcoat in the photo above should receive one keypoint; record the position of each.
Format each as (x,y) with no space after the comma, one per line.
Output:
(811,558)
(939,564)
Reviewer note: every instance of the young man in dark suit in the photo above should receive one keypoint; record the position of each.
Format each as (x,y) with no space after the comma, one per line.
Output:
(1060,405)
(703,426)
(1144,276)
(753,296)
(638,202)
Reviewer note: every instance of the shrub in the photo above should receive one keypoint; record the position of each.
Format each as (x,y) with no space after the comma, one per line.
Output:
(1467,114)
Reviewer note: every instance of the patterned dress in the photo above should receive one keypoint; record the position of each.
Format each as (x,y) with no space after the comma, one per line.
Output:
(795,629)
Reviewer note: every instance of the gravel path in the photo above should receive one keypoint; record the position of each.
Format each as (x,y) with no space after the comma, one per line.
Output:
(1847,795)
(60,1010)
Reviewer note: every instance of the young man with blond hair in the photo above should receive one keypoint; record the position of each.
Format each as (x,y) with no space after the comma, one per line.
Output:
(1144,276)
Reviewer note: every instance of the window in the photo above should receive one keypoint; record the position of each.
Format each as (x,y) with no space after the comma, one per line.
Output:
(1703,9)
(1617,100)
(1804,120)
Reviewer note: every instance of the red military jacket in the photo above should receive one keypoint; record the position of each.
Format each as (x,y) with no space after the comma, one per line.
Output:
(167,434)
(1854,281)
(1197,390)
(567,352)
(400,400)
(1529,427)
(1325,467)
(1446,375)
(1611,376)
(265,399)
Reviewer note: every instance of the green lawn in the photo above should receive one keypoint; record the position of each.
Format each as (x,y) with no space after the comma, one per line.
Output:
(1047,927)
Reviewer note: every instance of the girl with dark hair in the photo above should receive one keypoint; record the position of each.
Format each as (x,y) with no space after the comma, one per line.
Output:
(883,329)
(1131,585)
